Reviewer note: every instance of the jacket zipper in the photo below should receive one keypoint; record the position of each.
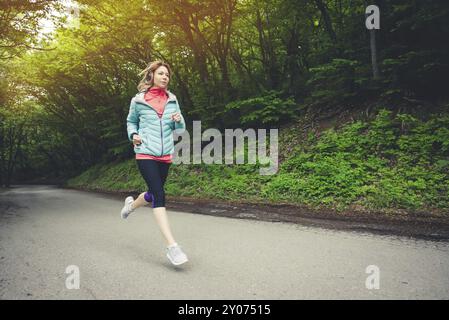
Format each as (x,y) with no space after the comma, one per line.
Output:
(160,121)
(162,139)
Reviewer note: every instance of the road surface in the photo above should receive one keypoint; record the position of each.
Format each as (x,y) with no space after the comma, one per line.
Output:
(48,234)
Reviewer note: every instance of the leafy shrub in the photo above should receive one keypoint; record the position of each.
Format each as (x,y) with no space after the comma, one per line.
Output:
(267,109)
(392,162)
(334,82)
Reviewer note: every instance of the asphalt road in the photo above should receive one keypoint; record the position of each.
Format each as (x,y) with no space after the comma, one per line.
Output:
(44,229)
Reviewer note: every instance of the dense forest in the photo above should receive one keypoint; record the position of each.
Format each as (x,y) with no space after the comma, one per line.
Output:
(64,96)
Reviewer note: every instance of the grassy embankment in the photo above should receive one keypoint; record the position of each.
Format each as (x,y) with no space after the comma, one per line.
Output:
(387,164)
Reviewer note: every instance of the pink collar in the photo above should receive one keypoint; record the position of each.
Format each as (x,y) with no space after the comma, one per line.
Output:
(157,91)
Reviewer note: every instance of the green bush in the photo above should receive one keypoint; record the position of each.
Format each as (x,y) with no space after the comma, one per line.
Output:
(392,162)
(268,109)
(335,82)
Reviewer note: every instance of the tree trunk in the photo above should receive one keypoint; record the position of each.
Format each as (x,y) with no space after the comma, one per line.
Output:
(327,19)
(2,155)
(198,52)
(268,57)
(292,66)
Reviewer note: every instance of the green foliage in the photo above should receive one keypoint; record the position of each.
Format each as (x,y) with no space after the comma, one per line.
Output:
(223,52)
(267,109)
(334,82)
(392,162)
(122,176)
(416,74)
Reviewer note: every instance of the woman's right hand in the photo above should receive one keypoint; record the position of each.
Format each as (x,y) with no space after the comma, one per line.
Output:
(136,139)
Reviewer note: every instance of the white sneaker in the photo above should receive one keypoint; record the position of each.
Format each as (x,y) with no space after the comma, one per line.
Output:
(175,255)
(127,210)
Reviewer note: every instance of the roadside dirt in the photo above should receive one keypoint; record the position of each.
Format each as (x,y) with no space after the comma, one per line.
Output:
(421,225)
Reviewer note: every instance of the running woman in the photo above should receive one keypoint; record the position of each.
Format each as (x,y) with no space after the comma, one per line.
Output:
(154,114)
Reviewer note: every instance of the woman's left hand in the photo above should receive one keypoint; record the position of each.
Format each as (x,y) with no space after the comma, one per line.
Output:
(176,116)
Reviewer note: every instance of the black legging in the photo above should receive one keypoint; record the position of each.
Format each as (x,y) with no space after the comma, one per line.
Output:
(154,173)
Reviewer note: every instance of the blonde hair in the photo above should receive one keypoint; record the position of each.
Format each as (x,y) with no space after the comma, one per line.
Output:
(148,74)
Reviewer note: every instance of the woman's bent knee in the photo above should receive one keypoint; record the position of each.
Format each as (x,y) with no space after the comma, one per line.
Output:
(158,198)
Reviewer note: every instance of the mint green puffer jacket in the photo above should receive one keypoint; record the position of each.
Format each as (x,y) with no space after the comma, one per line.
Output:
(156,133)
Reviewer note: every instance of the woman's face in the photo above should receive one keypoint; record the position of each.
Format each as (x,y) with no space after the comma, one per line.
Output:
(161,77)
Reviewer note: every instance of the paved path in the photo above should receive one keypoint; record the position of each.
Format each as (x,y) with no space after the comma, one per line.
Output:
(44,229)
